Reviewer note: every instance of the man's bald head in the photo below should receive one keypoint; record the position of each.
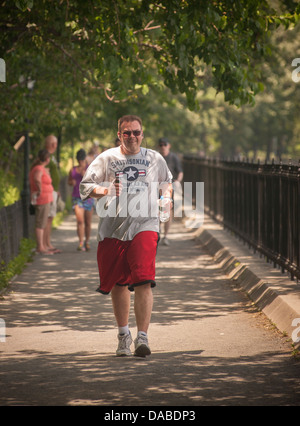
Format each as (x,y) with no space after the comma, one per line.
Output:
(51,143)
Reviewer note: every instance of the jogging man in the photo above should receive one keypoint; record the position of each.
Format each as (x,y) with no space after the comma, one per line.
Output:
(126,181)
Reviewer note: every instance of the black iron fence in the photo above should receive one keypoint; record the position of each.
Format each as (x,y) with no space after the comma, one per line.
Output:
(11,231)
(12,226)
(259,202)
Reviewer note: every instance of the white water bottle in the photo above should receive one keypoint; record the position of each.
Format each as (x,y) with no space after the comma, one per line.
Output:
(164,209)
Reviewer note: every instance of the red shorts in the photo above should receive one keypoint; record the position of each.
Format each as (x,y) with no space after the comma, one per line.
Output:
(129,263)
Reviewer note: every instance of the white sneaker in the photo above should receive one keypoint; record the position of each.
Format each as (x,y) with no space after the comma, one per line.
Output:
(125,341)
(141,346)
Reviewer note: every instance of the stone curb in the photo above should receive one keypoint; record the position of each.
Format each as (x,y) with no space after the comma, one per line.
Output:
(282,309)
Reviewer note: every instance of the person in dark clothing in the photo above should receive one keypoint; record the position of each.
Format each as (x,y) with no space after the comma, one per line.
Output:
(175,168)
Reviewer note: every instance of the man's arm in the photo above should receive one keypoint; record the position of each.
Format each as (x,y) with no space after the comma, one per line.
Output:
(178,169)
(114,189)
(179,177)
(93,184)
(99,192)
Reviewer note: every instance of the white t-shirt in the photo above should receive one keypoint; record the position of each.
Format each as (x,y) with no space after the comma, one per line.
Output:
(135,210)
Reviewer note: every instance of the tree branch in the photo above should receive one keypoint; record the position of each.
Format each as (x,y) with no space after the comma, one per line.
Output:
(147,28)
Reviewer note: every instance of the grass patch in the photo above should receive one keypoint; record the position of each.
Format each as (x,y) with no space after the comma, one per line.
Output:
(16,265)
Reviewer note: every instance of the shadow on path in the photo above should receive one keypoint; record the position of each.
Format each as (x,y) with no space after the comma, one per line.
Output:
(208,345)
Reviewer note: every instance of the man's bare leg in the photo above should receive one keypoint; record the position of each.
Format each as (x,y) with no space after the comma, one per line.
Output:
(143,304)
(120,296)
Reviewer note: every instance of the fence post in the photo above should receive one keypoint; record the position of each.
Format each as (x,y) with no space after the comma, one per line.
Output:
(25,194)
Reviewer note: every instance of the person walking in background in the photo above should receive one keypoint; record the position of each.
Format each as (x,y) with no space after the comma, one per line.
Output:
(83,209)
(51,147)
(175,168)
(93,153)
(41,190)
(128,241)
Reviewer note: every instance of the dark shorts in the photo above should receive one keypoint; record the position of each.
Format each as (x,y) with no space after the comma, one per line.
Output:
(127,263)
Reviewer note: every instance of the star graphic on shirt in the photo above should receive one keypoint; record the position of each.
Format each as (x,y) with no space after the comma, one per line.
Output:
(131,172)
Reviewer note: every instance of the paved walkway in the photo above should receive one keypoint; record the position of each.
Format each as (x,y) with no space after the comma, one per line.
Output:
(209,344)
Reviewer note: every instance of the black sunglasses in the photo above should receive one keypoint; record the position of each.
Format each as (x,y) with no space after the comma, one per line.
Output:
(163,144)
(127,133)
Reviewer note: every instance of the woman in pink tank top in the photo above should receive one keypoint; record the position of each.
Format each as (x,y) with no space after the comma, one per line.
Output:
(41,190)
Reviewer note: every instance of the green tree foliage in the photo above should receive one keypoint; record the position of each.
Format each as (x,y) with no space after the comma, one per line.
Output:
(91,59)
(270,129)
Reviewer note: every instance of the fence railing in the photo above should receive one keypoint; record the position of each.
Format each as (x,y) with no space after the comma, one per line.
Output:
(259,202)
(11,231)
(12,226)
